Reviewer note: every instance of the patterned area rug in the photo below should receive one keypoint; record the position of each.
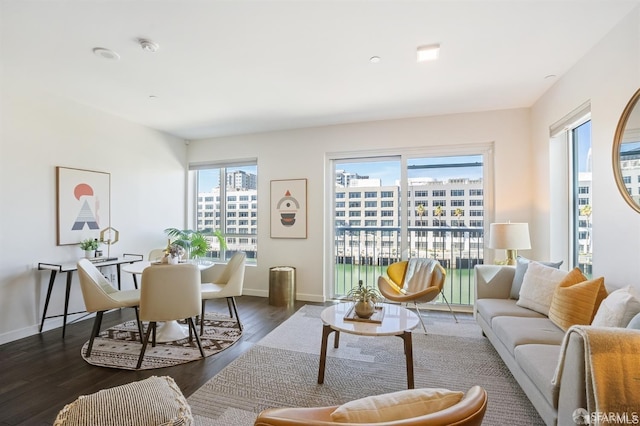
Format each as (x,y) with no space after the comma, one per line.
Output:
(119,346)
(282,371)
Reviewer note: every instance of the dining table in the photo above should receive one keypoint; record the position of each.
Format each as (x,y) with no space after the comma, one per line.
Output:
(169,331)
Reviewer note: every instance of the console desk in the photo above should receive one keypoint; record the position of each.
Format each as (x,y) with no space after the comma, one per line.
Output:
(69,269)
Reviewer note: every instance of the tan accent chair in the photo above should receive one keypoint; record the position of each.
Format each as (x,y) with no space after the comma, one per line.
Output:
(391,284)
(100,296)
(468,412)
(168,293)
(228,284)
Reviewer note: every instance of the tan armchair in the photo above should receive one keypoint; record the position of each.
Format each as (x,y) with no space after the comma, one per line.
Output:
(390,287)
(228,285)
(469,412)
(100,296)
(168,293)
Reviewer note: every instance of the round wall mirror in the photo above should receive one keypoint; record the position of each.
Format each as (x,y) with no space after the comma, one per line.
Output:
(626,153)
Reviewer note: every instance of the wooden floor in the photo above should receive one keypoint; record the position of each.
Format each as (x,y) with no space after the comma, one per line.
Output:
(40,374)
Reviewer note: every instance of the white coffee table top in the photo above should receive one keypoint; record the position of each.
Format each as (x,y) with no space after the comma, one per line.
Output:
(396,321)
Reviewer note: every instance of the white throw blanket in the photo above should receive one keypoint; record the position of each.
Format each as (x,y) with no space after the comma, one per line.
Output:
(419,274)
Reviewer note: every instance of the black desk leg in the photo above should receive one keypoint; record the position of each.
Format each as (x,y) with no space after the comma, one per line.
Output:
(118,275)
(52,279)
(66,302)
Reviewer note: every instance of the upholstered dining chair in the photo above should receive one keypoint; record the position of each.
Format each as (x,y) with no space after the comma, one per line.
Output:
(156,254)
(100,296)
(469,411)
(227,284)
(421,288)
(169,293)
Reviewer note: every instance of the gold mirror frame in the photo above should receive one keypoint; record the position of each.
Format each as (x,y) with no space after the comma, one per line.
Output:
(631,110)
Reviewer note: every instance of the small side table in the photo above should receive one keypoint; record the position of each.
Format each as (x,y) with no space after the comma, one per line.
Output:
(397,321)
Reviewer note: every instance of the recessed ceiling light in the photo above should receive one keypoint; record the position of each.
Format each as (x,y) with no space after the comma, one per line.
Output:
(148,45)
(106,53)
(374,59)
(428,52)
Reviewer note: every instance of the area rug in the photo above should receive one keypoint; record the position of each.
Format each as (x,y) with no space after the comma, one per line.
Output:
(282,371)
(119,346)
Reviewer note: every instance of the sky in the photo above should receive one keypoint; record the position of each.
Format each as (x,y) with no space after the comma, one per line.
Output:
(389,171)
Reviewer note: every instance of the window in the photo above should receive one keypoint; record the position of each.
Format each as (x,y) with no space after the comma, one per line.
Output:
(371,204)
(355,194)
(354,204)
(370,194)
(239,186)
(457,192)
(457,203)
(386,204)
(580,144)
(387,194)
(439,193)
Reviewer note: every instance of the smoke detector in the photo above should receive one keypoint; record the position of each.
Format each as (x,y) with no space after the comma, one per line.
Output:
(148,45)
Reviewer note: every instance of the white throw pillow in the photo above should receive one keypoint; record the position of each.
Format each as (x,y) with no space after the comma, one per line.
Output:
(618,308)
(396,406)
(538,285)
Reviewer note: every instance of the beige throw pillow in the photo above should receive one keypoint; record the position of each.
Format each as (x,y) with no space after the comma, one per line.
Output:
(538,285)
(396,406)
(618,308)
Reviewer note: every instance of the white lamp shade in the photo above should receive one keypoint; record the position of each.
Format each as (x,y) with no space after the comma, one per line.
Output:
(509,236)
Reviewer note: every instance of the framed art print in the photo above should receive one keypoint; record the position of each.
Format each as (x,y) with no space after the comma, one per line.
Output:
(83,204)
(289,208)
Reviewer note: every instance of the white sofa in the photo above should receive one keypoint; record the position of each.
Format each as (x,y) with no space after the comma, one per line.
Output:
(530,345)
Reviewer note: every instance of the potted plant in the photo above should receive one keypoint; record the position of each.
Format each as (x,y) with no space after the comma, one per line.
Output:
(364,298)
(195,243)
(89,246)
(174,253)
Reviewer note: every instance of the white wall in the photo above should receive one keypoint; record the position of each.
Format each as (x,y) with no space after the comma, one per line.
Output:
(302,154)
(40,132)
(608,75)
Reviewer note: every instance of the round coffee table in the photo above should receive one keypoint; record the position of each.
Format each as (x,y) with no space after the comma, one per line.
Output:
(396,321)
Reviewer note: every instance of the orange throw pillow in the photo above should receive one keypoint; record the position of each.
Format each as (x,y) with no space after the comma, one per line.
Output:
(576,300)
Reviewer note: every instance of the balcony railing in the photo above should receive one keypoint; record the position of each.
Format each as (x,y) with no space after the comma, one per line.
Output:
(363,253)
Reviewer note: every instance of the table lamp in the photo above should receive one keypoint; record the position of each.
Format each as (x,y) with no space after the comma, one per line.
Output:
(510,237)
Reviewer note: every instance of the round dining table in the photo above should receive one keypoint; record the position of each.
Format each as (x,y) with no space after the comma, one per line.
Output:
(169,331)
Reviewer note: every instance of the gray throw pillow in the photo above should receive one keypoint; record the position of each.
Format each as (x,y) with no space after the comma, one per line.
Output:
(634,323)
(522,263)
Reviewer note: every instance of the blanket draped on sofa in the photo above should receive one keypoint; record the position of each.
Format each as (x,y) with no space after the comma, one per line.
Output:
(612,365)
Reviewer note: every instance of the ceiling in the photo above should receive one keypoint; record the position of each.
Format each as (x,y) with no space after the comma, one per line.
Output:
(235,67)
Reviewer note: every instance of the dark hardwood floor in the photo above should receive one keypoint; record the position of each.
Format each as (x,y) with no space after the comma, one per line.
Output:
(40,374)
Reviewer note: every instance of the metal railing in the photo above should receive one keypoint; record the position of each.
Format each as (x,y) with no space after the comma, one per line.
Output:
(363,253)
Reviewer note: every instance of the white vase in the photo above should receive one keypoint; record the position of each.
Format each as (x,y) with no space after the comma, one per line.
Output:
(88,254)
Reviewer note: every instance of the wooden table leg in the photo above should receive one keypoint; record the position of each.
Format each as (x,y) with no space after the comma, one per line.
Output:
(408,352)
(326,331)
(336,339)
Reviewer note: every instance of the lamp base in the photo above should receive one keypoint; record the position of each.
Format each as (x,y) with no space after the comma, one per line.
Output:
(511,257)
(510,260)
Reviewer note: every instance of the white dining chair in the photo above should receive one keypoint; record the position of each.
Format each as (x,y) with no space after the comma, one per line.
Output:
(100,296)
(169,293)
(228,285)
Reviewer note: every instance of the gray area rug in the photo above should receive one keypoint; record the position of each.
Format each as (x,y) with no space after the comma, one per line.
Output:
(119,346)
(282,371)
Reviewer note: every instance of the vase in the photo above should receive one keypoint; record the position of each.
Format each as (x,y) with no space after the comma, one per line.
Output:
(365,308)
(88,254)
